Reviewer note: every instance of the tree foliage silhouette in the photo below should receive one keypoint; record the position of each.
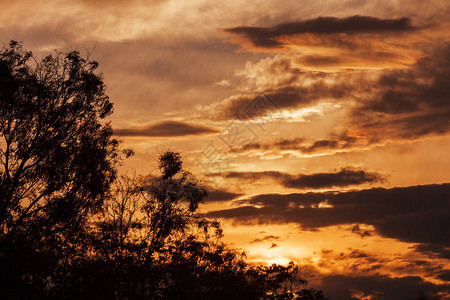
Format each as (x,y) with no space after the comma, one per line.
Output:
(156,244)
(71,228)
(57,159)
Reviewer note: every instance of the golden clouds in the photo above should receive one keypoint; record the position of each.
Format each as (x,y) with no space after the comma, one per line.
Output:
(385,209)
(352,83)
(384,106)
(333,44)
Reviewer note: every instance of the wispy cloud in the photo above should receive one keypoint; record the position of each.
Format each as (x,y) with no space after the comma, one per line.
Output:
(270,238)
(344,177)
(220,195)
(339,142)
(270,36)
(166,129)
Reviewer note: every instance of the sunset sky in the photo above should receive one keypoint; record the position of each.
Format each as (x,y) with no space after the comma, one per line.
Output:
(320,128)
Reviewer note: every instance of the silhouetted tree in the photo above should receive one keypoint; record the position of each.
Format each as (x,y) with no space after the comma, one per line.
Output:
(152,243)
(146,226)
(57,159)
(150,212)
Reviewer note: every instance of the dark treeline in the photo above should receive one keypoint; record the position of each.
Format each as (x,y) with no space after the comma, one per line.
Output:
(73,228)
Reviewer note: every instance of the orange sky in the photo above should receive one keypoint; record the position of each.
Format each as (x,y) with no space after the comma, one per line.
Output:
(321,128)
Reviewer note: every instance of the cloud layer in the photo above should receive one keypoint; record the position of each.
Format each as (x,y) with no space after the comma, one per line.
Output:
(269,37)
(417,214)
(379,287)
(344,177)
(166,129)
(385,106)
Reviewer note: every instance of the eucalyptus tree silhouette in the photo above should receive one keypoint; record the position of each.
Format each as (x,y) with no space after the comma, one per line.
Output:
(57,158)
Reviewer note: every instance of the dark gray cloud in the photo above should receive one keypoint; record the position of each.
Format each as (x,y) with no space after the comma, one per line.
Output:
(353,259)
(268,36)
(444,275)
(279,144)
(344,177)
(356,54)
(416,214)
(381,287)
(219,195)
(436,251)
(422,87)
(319,60)
(361,232)
(359,262)
(429,268)
(271,238)
(339,142)
(408,127)
(253,176)
(166,129)
(354,253)
(410,103)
